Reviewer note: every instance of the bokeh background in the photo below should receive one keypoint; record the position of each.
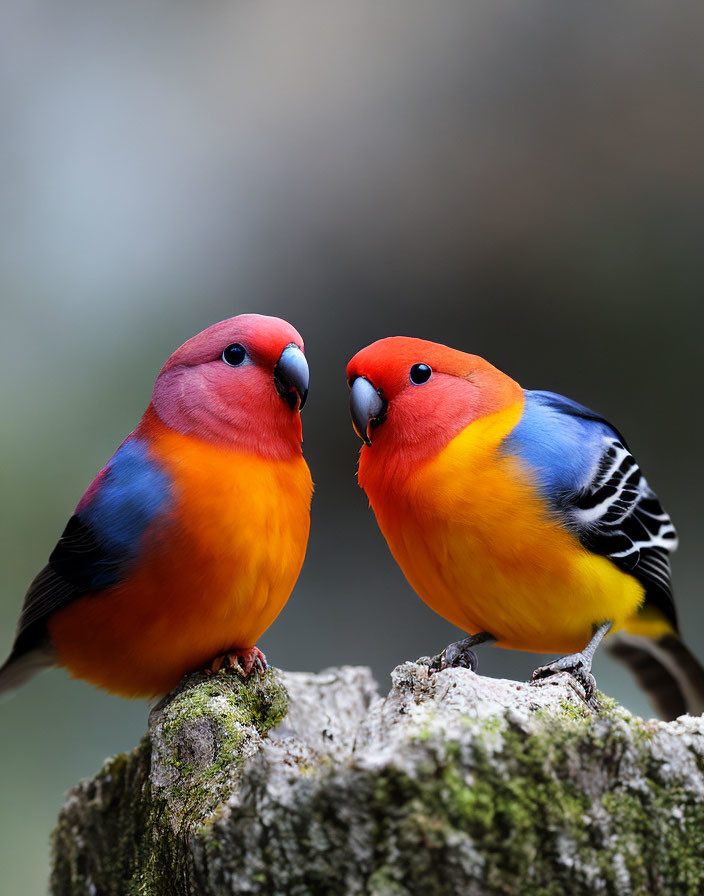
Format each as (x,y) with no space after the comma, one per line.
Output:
(523,181)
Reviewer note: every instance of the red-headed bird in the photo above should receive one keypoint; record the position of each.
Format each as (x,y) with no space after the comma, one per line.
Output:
(519,516)
(188,543)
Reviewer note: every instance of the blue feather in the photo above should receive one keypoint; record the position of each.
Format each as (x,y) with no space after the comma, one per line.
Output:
(560,440)
(592,482)
(101,541)
(133,491)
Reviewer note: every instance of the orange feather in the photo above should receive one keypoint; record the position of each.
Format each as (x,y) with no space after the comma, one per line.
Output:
(214,577)
(477,543)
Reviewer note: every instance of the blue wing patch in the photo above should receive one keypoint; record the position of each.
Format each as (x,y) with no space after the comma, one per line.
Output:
(101,540)
(132,493)
(559,439)
(595,487)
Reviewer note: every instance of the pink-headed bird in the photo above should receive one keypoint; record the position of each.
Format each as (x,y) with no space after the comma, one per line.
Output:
(188,543)
(520,516)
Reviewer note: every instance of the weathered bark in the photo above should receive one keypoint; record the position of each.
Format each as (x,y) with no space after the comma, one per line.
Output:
(453,784)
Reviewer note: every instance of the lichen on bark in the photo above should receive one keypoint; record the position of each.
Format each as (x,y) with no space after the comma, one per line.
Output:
(128,830)
(452,784)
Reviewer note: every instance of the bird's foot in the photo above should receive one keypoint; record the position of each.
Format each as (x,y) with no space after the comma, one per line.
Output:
(578,666)
(455,656)
(240,660)
(459,654)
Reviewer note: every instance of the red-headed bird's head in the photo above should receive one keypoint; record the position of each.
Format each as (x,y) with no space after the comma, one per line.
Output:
(241,382)
(410,397)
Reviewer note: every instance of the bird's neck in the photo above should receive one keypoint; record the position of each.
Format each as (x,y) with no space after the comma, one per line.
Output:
(270,445)
(387,474)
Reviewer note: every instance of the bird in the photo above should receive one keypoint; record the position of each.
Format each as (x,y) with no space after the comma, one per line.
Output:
(187,544)
(520,516)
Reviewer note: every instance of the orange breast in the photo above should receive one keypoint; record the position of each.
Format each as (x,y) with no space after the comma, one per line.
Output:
(213,577)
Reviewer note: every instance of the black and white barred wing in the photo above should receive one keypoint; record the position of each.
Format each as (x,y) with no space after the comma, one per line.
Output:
(618,515)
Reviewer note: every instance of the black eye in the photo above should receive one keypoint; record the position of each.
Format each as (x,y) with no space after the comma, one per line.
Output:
(234,354)
(420,373)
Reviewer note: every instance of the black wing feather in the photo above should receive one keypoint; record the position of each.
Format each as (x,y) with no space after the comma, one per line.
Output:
(77,565)
(619,516)
(101,540)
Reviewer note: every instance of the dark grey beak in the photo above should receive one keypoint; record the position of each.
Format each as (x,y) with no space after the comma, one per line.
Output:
(291,377)
(367,407)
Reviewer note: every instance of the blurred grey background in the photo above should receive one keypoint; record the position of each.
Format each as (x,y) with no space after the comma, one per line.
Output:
(522,181)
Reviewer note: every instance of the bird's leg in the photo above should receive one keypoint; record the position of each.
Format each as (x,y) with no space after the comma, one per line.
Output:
(579,665)
(241,659)
(460,653)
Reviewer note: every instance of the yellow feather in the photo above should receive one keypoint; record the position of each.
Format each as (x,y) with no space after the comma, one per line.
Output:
(479,545)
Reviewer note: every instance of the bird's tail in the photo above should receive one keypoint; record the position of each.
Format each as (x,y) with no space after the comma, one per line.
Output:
(20,668)
(665,668)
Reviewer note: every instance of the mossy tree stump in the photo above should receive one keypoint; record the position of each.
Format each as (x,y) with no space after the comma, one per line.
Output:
(452,784)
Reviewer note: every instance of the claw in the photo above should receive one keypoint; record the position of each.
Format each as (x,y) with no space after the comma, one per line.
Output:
(577,665)
(242,661)
(451,656)
(459,654)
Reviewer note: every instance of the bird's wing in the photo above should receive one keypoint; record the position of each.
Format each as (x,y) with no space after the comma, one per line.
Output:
(598,489)
(101,540)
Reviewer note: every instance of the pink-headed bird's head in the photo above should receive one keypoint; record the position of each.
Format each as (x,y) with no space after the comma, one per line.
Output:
(411,397)
(241,382)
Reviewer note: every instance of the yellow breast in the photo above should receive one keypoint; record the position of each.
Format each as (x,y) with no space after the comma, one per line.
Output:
(479,545)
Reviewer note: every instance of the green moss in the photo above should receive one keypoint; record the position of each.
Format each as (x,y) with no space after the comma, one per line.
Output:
(574,711)
(143,831)
(232,709)
(505,811)
(381,884)
(607,705)
(660,836)
(261,701)
(493,723)
(527,810)
(118,810)
(512,814)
